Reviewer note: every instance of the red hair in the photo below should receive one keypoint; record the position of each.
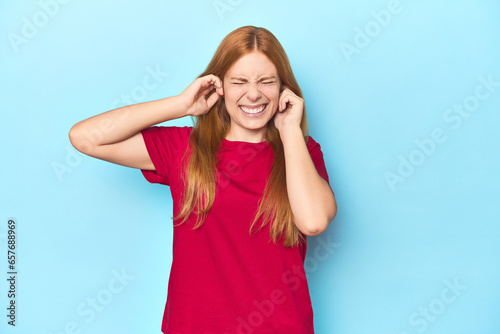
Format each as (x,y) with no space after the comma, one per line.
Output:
(210,129)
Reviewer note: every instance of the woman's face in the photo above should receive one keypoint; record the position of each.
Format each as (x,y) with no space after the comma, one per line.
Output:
(251,94)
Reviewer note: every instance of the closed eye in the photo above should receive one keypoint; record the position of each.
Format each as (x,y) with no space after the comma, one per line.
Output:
(265,83)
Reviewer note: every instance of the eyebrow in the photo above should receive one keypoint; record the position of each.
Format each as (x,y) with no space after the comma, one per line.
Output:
(246,80)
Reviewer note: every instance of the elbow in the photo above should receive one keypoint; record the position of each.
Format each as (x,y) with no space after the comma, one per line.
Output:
(333,212)
(313,233)
(78,140)
(320,226)
(72,135)
(316,229)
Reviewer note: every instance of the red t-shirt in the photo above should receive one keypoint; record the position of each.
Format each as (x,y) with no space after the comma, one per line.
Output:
(222,280)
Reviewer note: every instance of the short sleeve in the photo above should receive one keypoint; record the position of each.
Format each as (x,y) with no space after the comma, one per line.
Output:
(164,145)
(317,158)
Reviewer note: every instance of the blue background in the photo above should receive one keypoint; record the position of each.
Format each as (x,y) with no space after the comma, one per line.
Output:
(378,77)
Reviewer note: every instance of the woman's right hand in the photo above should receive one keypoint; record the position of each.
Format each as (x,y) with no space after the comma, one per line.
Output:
(194,95)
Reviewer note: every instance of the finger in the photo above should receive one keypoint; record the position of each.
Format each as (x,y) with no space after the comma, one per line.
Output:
(282,105)
(212,99)
(218,88)
(208,85)
(283,101)
(207,81)
(280,102)
(205,91)
(216,82)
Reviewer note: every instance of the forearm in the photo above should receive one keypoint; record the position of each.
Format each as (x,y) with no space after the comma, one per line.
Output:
(122,123)
(311,198)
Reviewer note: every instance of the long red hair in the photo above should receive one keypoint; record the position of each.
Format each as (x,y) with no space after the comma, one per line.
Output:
(211,128)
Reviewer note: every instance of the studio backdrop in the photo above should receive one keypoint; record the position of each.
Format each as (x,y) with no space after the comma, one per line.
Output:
(402,95)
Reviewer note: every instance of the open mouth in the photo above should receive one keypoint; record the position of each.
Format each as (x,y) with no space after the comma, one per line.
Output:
(254,110)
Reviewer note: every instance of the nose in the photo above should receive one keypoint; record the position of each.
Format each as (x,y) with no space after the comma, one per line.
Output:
(253,92)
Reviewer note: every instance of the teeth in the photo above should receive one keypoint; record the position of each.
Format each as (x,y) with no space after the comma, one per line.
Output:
(253,110)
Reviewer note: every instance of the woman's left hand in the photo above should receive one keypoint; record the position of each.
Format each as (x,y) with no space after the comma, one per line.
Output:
(290,110)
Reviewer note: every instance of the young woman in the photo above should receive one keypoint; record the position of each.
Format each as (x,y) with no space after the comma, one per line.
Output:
(248,161)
